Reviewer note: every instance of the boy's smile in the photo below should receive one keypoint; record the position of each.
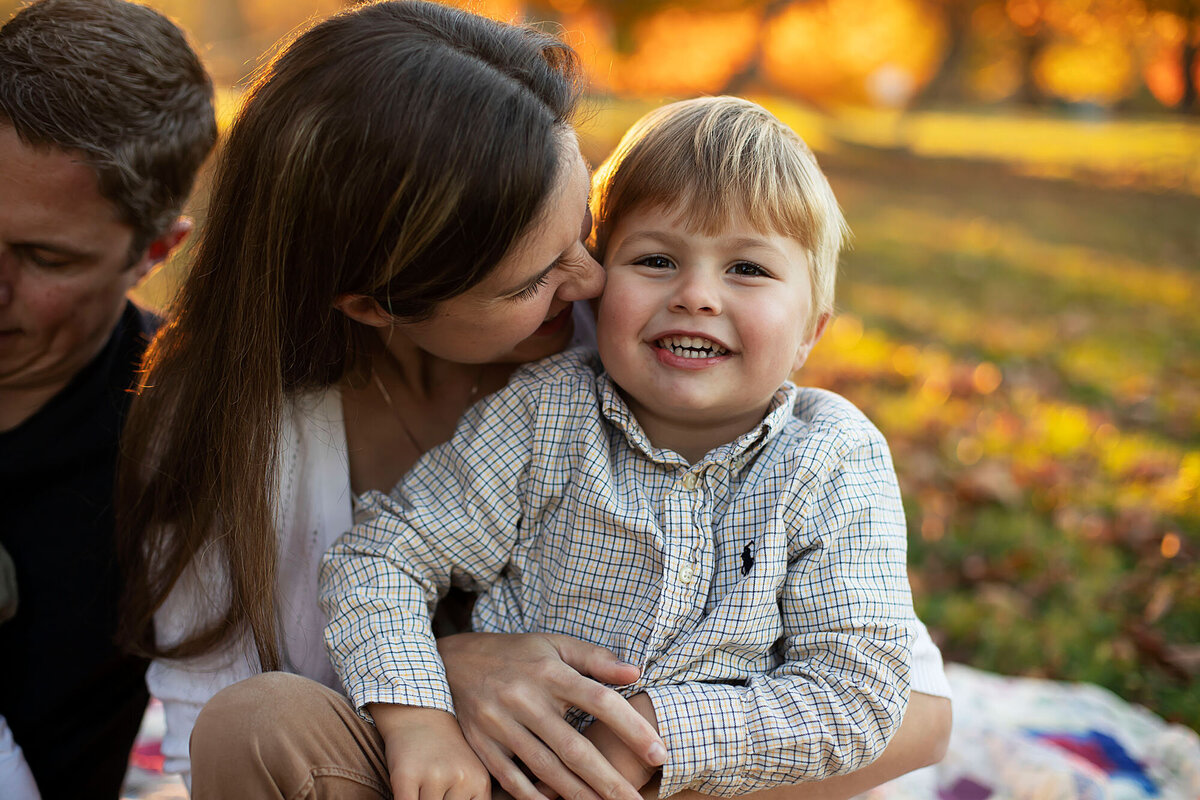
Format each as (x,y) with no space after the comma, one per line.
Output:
(700,329)
(689,351)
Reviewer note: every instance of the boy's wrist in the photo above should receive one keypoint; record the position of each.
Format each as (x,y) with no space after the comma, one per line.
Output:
(392,719)
(642,704)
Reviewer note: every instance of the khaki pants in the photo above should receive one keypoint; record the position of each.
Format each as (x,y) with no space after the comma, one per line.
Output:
(284,737)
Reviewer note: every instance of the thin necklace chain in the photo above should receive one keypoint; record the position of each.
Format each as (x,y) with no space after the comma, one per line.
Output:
(408,434)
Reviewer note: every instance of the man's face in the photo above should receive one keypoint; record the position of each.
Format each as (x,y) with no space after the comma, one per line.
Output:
(64,265)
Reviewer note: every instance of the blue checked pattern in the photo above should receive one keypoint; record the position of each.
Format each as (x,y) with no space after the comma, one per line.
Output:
(763,590)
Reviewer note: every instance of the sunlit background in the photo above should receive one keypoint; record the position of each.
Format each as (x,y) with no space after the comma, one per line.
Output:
(1019,312)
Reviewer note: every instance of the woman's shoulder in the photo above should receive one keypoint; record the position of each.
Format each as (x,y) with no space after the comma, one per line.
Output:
(573,366)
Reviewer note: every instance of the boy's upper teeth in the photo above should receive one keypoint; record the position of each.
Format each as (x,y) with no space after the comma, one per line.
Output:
(695,346)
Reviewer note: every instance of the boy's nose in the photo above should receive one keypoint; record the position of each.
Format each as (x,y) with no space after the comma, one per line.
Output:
(696,294)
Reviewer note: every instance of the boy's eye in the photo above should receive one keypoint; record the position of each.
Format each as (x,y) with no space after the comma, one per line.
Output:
(747,268)
(655,262)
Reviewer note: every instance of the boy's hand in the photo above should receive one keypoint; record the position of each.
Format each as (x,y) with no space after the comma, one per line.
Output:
(427,756)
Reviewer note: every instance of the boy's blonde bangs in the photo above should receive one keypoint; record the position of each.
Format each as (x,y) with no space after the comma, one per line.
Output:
(718,159)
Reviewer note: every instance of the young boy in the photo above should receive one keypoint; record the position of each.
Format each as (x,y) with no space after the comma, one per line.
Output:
(663,501)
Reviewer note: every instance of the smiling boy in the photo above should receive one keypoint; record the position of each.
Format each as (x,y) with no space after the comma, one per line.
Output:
(676,500)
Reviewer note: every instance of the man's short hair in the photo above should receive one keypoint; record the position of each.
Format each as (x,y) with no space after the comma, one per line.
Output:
(713,159)
(118,82)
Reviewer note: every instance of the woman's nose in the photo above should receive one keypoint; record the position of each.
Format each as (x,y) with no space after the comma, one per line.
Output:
(585,281)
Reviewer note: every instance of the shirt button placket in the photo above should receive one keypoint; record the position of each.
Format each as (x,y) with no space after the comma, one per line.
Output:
(689,569)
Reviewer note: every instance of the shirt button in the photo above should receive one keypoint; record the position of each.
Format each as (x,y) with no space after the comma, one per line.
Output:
(687,574)
(689,481)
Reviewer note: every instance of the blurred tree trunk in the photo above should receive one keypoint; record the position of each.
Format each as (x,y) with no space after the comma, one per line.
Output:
(744,77)
(1191,21)
(1030,47)
(948,86)
(1188,12)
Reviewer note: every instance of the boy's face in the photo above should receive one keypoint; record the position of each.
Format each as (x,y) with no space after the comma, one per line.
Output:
(701,329)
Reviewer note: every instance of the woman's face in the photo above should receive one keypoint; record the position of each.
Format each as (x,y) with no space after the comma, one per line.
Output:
(522,310)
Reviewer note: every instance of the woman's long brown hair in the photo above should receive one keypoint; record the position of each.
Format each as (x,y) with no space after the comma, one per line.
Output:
(397,150)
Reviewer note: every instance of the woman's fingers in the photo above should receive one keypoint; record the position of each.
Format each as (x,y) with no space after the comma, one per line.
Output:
(551,771)
(510,693)
(622,719)
(598,662)
(540,760)
(559,742)
(500,764)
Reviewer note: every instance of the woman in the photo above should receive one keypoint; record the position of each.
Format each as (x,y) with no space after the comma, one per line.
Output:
(396,222)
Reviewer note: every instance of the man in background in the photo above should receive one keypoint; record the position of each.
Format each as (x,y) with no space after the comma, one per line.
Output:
(105,116)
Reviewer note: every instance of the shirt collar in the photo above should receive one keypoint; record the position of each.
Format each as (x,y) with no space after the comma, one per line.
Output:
(737,452)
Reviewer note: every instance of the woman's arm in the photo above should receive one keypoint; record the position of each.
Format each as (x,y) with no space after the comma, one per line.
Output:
(510,694)
(920,742)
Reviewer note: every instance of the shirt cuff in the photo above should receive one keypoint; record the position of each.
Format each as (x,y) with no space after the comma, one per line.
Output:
(400,672)
(704,728)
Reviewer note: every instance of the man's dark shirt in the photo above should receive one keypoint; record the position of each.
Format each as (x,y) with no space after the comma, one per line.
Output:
(72,699)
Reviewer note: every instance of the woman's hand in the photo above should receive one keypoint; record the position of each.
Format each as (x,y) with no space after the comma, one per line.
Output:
(632,768)
(427,756)
(510,694)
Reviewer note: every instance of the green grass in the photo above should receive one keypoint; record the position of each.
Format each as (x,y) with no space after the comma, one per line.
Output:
(1043,511)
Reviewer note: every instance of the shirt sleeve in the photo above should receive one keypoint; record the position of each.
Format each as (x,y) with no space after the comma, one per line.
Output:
(454,518)
(840,692)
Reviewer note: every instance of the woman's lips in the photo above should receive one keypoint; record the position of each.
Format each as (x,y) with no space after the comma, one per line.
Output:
(554,324)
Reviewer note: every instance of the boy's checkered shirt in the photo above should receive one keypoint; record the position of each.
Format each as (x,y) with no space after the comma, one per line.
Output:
(763,590)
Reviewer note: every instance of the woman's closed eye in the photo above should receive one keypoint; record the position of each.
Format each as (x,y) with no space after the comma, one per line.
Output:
(530,291)
(655,262)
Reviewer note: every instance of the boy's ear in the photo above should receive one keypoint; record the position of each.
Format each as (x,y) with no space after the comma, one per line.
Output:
(364,309)
(806,348)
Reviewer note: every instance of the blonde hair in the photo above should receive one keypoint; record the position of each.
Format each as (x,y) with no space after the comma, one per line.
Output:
(715,158)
